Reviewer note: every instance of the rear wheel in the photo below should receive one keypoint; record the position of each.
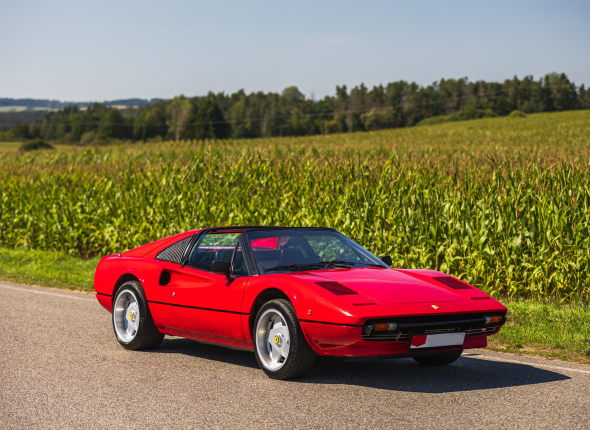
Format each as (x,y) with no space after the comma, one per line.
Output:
(439,359)
(132,321)
(280,346)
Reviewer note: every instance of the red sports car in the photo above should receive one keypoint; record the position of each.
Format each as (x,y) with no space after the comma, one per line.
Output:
(290,294)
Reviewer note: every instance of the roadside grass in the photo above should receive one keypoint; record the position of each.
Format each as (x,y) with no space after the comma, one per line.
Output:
(47,269)
(549,329)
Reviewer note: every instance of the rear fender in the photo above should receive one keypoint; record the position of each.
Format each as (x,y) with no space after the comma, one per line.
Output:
(112,271)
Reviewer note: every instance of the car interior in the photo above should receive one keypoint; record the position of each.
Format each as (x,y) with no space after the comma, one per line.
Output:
(202,258)
(296,250)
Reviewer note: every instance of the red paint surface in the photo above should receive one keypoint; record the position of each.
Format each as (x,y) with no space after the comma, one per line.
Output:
(105,301)
(218,300)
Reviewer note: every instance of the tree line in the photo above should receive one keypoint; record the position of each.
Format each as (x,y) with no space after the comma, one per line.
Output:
(290,113)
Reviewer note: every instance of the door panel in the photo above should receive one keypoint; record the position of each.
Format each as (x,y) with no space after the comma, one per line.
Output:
(208,304)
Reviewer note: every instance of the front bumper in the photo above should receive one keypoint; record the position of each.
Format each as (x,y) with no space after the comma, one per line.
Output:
(347,341)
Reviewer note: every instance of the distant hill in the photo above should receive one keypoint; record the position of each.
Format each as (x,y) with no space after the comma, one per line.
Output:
(40,104)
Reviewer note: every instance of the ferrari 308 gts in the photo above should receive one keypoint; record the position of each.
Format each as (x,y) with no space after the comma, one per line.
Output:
(290,294)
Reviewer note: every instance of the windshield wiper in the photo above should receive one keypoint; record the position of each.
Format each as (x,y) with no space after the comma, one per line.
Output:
(290,266)
(371,265)
(348,263)
(335,263)
(332,263)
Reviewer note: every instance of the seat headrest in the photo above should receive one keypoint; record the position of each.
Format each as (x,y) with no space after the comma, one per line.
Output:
(292,256)
(296,241)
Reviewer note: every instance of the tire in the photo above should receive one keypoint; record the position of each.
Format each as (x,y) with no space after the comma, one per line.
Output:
(132,320)
(440,359)
(280,347)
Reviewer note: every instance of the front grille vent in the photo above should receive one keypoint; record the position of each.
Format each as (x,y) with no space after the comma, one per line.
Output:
(174,253)
(470,324)
(383,335)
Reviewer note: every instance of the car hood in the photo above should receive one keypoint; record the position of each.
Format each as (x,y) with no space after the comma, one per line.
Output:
(395,287)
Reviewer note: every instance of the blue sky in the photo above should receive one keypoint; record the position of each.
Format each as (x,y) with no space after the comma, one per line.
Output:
(102,50)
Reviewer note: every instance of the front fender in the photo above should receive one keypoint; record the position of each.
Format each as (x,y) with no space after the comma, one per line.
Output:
(311,302)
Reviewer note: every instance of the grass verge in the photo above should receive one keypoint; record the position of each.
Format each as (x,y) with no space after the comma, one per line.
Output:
(550,329)
(47,269)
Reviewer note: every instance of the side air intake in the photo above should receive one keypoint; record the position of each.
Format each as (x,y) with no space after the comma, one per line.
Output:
(174,253)
(452,282)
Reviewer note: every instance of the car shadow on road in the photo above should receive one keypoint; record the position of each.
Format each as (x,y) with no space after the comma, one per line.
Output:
(466,374)
(196,349)
(404,374)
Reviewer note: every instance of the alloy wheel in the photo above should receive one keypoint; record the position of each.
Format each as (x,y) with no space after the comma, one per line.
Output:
(126,316)
(272,339)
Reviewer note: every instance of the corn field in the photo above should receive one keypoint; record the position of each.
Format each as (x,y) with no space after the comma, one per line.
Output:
(501,203)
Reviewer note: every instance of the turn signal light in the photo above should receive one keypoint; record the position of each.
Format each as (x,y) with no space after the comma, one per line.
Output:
(385,326)
(493,320)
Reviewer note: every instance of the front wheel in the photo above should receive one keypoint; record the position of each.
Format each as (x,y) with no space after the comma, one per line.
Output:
(280,346)
(439,359)
(133,324)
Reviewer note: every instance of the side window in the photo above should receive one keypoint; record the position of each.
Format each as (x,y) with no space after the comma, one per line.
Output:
(239,267)
(214,246)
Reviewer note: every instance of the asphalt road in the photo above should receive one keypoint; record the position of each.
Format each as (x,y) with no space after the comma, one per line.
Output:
(61,367)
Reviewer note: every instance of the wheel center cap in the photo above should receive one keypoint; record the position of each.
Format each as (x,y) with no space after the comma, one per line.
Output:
(132,316)
(278,340)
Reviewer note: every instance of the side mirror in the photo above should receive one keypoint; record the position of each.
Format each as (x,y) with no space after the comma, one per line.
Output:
(221,266)
(387,260)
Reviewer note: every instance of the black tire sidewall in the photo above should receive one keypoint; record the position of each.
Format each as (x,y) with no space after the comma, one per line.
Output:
(296,339)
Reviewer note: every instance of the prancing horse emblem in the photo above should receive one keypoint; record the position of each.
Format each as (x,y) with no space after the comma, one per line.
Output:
(435,307)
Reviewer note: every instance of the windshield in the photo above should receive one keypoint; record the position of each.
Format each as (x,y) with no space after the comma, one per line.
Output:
(294,250)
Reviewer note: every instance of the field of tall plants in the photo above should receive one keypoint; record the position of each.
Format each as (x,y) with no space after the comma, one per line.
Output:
(502,203)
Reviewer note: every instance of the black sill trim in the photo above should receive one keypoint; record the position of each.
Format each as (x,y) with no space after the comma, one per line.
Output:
(196,307)
(103,294)
(330,323)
